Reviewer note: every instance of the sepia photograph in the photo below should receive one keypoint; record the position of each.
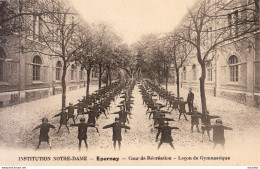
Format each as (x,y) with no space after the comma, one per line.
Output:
(129,83)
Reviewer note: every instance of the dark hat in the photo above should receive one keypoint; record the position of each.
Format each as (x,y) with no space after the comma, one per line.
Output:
(116,119)
(219,121)
(82,119)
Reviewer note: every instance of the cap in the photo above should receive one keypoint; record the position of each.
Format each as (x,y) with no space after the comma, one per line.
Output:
(82,119)
(219,121)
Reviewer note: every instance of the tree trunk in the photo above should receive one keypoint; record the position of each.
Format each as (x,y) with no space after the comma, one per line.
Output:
(88,81)
(178,83)
(107,77)
(167,78)
(166,83)
(63,85)
(100,76)
(202,88)
(110,78)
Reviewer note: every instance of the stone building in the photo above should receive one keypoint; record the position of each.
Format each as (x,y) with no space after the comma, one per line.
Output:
(233,72)
(26,76)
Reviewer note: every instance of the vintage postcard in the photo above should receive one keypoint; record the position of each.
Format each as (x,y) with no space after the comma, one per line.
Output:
(129,83)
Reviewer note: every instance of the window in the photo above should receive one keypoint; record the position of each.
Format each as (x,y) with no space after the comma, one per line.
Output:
(233,66)
(37,67)
(81,73)
(72,75)
(58,71)
(194,71)
(34,26)
(209,71)
(2,58)
(184,73)
(233,23)
(230,23)
(40,29)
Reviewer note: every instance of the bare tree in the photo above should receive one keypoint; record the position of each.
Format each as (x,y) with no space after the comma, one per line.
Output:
(55,35)
(179,52)
(209,24)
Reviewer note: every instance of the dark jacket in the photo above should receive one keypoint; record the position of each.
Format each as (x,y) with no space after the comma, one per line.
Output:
(44,131)
(182,107)
(190,97)
(166,133)
(218,133)
(117,126)
(63,117)
(82,130)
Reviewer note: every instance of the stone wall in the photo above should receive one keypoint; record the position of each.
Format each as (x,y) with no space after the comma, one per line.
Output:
(237,97)
(73,88)
(257,100)
(36,94)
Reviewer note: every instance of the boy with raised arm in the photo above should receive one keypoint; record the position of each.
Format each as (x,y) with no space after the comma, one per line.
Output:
(117,126)
(44,132)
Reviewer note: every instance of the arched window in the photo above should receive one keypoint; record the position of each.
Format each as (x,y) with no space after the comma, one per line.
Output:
(233,67)
(194,72)
(72,75)
(37,61)
(209,71)
(184,73)
(58,71)
(2,58)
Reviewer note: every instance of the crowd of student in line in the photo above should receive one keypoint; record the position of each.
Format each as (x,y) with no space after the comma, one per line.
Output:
(150,91)
(94,105)
(100,102)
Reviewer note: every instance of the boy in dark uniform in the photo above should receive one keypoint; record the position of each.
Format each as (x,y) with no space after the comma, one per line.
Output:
(71,109)
(82,132)
(80,108)
(161,124)
(182,109)
(117,126)
(190,99)
(195,115)
(63,119)
(92,119)
(166,136)
(44,132)
(205,124)
(218,133)
(122,115)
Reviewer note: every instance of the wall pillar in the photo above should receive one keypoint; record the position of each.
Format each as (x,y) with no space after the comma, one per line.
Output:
(250,77)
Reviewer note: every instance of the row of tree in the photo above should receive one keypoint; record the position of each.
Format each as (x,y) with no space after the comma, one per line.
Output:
(204,30)
(54,28)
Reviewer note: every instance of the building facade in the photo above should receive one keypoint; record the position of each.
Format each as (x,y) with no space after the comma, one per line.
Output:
(233,71)
(27,76)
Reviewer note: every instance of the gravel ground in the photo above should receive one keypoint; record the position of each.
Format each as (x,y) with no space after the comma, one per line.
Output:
(17,122)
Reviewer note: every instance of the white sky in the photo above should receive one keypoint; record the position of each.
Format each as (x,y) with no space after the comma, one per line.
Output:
(133,18)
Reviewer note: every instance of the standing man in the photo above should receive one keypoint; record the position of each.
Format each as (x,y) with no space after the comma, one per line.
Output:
(190,99)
